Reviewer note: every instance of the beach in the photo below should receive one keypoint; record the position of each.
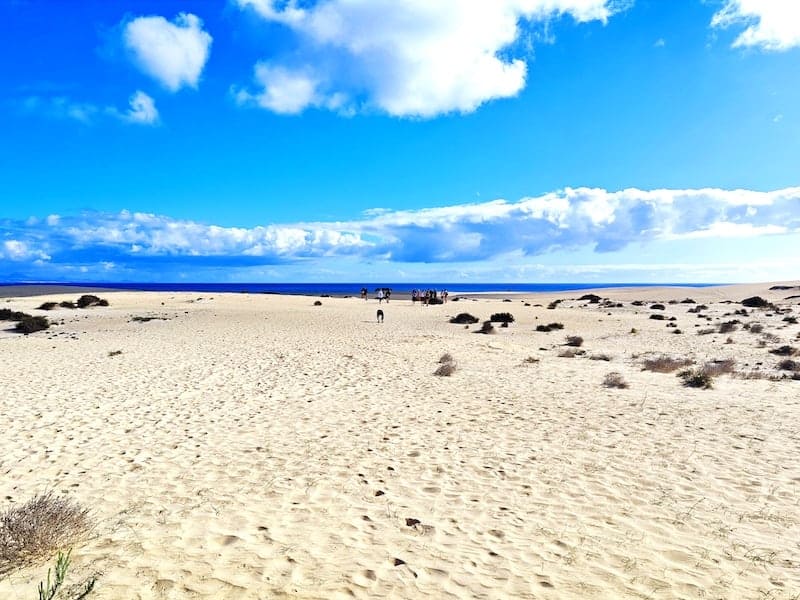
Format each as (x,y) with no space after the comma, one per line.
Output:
(262,446)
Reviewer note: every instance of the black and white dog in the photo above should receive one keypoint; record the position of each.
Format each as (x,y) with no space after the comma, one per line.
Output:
(380,316)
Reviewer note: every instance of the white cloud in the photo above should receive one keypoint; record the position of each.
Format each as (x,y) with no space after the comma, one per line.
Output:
(173,53)
(142,109)
(769,24)
(283,91)
(405,57)
(17,250)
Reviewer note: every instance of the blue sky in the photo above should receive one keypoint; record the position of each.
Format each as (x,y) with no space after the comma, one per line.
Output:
(391,140)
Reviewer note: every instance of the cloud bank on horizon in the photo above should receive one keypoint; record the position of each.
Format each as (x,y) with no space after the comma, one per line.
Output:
(571,219)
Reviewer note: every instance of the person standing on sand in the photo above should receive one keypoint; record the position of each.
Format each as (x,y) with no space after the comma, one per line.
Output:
(380,296)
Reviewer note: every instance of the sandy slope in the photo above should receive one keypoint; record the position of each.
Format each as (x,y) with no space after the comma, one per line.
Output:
(258,446)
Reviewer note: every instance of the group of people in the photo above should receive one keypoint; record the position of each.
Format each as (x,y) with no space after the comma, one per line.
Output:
(381,294)
(429,296)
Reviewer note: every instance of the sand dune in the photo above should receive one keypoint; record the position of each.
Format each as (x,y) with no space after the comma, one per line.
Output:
(257,446)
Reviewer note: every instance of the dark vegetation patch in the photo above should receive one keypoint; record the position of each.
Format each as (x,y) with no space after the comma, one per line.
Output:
(464,318)
(317,303)
(637,303)
(591,298)
(502,318)
(553,304)
(67,304)
(756,302)
(698,308)
(658,317)
(658,307)
(784,351)
(486,328)
(32,325)
(688,301)
(791,320)
(89,300)
(787,364)
(575,341)
(47,306)
(696,378)
(728,326)
(140,319)
(604,357)
(615,380)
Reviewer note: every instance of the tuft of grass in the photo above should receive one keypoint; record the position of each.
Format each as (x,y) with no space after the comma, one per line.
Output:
(756,328)
(446,358)
(35,530)
(756,302)
(464,319)
(791,320)
(615,380)
(48,590)
(665,364)
(575,341)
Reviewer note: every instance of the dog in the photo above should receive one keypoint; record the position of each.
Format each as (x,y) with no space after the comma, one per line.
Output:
(380,316)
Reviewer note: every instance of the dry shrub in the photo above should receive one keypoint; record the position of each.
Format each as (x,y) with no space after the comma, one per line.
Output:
(446,369)
(658,307)
(88,300)
(716,368)
(791,320)
(32,532)
(604,357)
(487,328)
(665,364)
(530,360)
(464,318)
(697,378)
(569,353)
(706,331)
(756,328)
(446,358)
(317,303)
(32,325)
(47,306)
(615,380)
(728,326)
(756,302)
(787,364)
(658,317)
(784,351)
(575,341)
(12,315)
(67,304)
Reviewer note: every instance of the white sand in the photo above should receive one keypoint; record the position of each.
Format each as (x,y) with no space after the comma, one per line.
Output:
(257,446)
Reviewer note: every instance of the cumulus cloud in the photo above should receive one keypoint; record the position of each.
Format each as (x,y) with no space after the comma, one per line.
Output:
(404,57)
(567,220)
(174,53)
(142,109)
(769,24)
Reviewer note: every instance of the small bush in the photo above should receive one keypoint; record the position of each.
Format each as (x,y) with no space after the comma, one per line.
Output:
(658,307)
(67,304)
(592,298)
(637,303)
(446,358)
(688,301)
(555,326)
(615,380)
(446,369)
(317,303)
(756,328)
(756,302)
(787,364)
(464,318)
(575,341)
(115,352)
(530,360)
(88,300)
(791,320)
(47,306)
(502,318)
(543,328)
(34,531)
(696,378)
(665,364)
(728,326)
(32,325)
(706,331)
(784,351)
(658,317)
(12,315)
(553,304)
(604,357)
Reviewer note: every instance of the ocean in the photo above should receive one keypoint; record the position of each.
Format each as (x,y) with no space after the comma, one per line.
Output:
(353,289)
